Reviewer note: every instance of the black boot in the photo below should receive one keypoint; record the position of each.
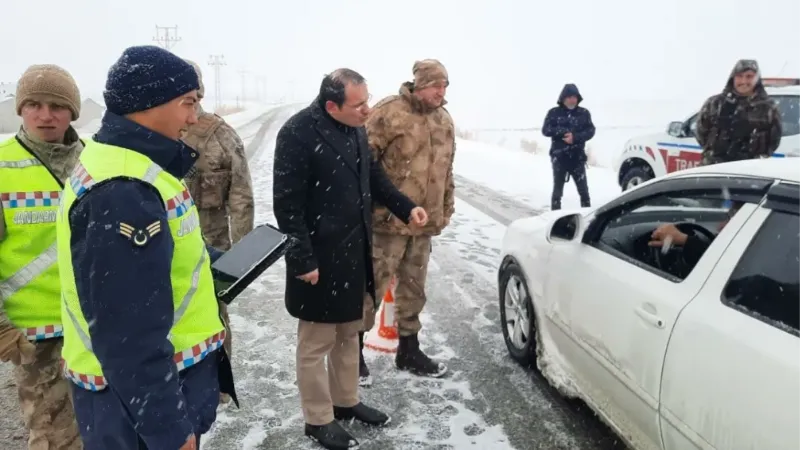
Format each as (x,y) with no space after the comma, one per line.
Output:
(364,378)
(555,205)
(363,413)
(331,436)
(410,357)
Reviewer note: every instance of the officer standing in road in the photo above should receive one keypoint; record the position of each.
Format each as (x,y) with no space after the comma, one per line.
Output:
(34,165)
(142,333)
(221,187)
(742,122)
(569,126)
(325,183)
(413,138)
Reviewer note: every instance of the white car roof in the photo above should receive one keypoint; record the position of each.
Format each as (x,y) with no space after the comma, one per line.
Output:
(787,169)
(783,90)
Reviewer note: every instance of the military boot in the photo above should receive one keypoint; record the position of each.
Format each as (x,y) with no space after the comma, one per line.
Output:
(412,359)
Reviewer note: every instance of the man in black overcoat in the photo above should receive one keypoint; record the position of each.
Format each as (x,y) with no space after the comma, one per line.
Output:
(324,181)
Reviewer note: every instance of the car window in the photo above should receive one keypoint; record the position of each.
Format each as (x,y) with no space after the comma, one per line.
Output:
(764,283)
(627,233)
(789,107)
(691,125)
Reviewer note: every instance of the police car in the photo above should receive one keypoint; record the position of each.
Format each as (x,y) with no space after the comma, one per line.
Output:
(655,155)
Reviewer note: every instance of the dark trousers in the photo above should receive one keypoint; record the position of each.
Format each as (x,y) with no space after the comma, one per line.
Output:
(107,423)
(561,173)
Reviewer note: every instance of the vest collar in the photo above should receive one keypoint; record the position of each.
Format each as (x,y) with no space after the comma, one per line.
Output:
(175,157)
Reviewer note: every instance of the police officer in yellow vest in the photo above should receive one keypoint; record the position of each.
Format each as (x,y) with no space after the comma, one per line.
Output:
(142,333)
(34,165)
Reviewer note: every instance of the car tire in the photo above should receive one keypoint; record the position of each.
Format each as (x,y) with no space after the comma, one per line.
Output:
(635,176)
(522,352)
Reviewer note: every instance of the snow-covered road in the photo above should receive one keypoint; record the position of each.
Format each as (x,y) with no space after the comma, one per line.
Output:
(486,402)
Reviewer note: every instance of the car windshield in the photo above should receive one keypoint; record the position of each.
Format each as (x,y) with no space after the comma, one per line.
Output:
(789,106)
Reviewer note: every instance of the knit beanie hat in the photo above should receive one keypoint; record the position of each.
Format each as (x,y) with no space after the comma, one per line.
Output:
(428,72)
(145,77)
(202,91)
(49,82)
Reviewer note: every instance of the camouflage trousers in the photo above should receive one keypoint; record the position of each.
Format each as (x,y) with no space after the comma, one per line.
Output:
(216,227)
(405,257)
(46,402)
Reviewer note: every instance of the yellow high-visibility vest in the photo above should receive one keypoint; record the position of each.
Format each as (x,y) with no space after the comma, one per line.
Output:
(197,329)
(29,284)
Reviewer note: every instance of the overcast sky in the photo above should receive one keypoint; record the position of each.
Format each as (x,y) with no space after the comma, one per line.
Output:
(508,59)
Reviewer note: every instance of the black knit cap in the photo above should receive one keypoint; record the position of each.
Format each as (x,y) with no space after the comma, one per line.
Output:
(145,77)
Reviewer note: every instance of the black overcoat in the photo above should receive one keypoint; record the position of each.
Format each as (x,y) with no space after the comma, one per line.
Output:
(324,182)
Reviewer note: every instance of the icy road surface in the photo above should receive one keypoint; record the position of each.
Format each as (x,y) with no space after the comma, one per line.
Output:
(487,401)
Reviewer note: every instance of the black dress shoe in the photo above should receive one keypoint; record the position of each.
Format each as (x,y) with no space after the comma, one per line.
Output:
(331,436)
(362,413)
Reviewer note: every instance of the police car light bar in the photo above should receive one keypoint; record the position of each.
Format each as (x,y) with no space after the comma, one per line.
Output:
(779,82)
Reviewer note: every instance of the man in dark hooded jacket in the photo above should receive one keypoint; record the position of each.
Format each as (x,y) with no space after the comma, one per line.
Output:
(569,127)
(740,123)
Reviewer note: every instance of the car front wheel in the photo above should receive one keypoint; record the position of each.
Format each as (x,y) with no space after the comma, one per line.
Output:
(517,315)
(634,177)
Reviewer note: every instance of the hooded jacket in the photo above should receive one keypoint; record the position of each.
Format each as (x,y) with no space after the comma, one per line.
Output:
(732,127)
(562,120)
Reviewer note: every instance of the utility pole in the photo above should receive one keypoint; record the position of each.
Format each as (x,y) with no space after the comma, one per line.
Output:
(168,40)
(243,73)
(217,61)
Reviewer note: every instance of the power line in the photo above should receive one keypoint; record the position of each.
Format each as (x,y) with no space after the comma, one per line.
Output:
(168,40)
(217,61)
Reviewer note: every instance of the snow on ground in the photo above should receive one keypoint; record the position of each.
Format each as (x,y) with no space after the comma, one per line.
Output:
(526,177)
(11,433)
(487,401)
(604,148)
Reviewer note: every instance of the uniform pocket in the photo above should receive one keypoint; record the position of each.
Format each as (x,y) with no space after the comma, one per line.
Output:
(213,188)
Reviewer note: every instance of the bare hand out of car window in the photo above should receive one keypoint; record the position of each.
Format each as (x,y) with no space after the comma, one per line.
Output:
(666,235)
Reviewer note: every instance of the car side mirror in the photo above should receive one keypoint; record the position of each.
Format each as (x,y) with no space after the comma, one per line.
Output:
(565,228)
(675,129)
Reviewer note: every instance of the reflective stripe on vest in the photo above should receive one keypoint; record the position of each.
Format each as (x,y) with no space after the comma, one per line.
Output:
(193,338)
(29,281)
(20,164)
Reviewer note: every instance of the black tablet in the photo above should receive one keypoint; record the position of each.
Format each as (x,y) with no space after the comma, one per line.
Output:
(246,260)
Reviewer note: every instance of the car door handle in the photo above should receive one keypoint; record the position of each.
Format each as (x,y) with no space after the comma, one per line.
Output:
(649,316)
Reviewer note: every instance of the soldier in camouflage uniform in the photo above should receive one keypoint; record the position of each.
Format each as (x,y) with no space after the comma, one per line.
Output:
(221,187)
(413,137)
(742,122)
(48,101)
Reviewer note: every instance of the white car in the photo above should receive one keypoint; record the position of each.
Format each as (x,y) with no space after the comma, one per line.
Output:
(655,155)
(674,349)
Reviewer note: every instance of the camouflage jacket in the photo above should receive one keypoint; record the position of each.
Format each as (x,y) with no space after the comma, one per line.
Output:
(415,145)
(220,181)
(732,128)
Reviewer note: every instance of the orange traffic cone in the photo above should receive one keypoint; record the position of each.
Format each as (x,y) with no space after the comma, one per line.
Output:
(384,336)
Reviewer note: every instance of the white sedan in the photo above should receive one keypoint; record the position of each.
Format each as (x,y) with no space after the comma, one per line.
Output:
(693,345)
